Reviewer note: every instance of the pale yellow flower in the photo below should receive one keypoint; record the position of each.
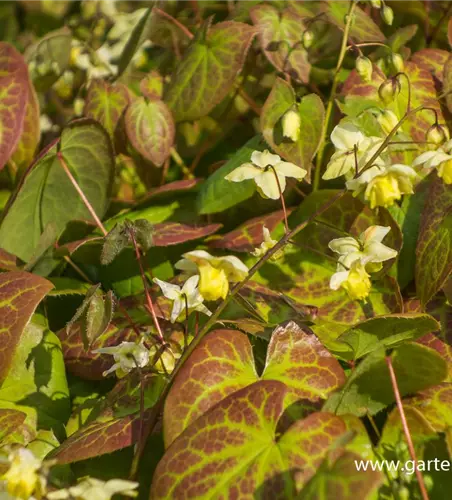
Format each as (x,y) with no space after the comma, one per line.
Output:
(22,479)
(355,281)
(127,356)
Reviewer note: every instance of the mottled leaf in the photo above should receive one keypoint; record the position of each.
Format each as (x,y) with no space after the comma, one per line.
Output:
(207,72)
(168,190)
(151,86)
(434,247)
(280,35)
(10,421)
(47,195)
(14,90)
(8,262)
(432,60)
(341,480)
(20,294)
(362,29)
(106,103)
(312,114)
(223,363)
(150,129)
(368,389)
(172,233)
(447,81)
(388,331)
(232,450)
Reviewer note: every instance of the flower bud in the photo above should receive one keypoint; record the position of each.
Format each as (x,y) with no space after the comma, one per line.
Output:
(308,38)
(397,62)
(389,90)
(387,120)
(437,134)
(291,123)
(364,68)
(376,4)
(387,15)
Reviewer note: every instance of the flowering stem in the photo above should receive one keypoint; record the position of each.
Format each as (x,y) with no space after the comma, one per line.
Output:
(81,194)
(329,108)
(283,203)
(406,429)
(150,304)
(234,291)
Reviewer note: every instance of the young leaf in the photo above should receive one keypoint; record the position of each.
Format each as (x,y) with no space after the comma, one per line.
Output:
(114,243)
(98,316)
(144,233)
(150,129)
(208,70)
(14,90)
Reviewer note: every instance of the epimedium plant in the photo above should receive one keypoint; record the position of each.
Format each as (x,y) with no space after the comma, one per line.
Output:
(225,249)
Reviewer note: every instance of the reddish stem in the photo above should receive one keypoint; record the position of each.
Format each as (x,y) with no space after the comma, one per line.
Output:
(82,194)
(406,429)
(172,19)
(150,305)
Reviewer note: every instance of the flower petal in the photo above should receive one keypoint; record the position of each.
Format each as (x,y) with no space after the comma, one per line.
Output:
(344,136)
(337,279)
(374,233)
(268,186)
(169,290)
(264,158)
(377,252)
(344,246)
(190,285)
(234,268)
(290,170)
(339,164)
(178,307)
(243,173)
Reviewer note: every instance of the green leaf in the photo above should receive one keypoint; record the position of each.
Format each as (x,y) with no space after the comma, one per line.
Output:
(20,294)
(14,90)
(218,194)
(362,28)
(280,35)
(208,70)
(235,450)
(47,195)
(114,243)
(434,247)
(341,480)
(150,129)
(37,377)
(106,104)
(312,115)
(294,357)
(388,331)
(368,389)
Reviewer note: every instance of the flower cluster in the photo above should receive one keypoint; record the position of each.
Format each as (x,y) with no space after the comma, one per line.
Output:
(358,258)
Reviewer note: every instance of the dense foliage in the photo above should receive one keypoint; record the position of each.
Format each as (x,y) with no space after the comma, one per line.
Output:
(225,249)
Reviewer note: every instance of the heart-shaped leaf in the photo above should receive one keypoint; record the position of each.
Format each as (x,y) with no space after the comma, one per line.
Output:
(434,247)
(312,116)
(106,103)
(208,70)
(14,90)
(223,363)
(280,35)
(233,449)
(150,129)
(87,151)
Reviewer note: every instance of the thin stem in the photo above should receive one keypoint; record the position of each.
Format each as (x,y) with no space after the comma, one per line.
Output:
(82,194)
(172,19)
(283,203)
(368,44)
(234,291)
(250,101)
(406,429)
(330,104)
(180,162)
(150,305)
(408,109)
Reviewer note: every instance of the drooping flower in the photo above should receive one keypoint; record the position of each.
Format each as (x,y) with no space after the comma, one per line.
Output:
(355,281)
(95,489)
(432,159)
(383,186)
(215,272)
(364,68)
(187,296)
(22,478)
(127,356)
(344,138)
(291,123)
(368,248)
(264,168)
(266,244)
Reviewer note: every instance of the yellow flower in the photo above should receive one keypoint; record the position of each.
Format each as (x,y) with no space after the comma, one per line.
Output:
(355,281)
(215,272)
(445,171)
(213,283)
(22,478)
(382,186)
